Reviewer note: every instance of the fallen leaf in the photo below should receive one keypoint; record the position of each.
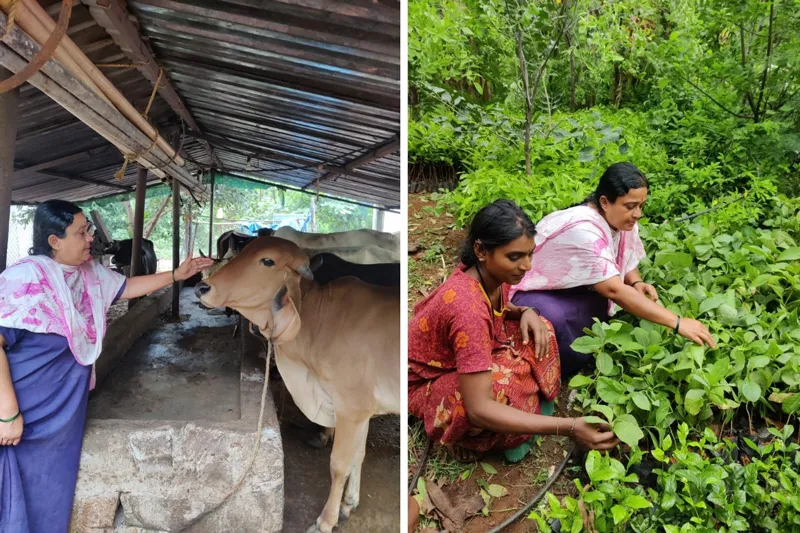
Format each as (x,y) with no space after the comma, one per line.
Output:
(489,469)
(497,491)
(452,510)
(777,424)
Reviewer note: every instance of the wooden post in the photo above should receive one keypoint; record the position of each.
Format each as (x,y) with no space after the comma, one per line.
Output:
(211,251)
(138,226)
(8,144)
(176,245)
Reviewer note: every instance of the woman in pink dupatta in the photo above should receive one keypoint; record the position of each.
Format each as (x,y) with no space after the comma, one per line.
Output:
(53,308)
(586,264)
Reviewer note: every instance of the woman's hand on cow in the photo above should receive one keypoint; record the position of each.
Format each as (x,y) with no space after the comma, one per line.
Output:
(192,266)
(696,332)
(648,290)
(593,436)
(11,432)
(531,324)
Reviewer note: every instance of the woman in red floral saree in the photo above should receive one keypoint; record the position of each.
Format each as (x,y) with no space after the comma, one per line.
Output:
(480,368)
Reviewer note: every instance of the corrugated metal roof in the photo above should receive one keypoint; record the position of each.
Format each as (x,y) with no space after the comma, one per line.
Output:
(276,87)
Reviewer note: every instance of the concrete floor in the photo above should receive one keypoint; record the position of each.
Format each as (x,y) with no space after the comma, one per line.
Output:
(188,370)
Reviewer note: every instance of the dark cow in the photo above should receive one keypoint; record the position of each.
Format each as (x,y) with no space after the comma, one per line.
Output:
(236,241)
(328,267)
(123,252)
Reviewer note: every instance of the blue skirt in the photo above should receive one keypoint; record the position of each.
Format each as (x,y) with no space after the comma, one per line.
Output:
(569,310)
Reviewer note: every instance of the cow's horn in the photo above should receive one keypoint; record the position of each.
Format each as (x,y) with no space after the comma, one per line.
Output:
(305,271)
(208,257)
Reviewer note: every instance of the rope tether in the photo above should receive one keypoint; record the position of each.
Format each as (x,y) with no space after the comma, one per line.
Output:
(131,157)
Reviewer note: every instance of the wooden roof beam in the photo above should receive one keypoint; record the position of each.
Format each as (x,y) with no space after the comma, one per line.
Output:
(269,155)
(115,19)
(58,175)
(376,152)
(80,156)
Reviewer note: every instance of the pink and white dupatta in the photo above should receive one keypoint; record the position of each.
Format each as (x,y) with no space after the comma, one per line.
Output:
(38,294)
(576,247)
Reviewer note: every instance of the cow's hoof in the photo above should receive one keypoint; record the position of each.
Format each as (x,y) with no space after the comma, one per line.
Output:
(319,527)
(346,510)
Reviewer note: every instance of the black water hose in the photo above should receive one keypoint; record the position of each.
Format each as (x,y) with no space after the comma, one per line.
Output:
(528,506)
(421,467)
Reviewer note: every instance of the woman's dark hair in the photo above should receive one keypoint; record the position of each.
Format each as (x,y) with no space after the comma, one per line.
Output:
(51,218)
(616,181)
(496,224)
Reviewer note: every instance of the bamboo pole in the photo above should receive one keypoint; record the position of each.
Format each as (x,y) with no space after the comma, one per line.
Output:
(35,21)
(88,106)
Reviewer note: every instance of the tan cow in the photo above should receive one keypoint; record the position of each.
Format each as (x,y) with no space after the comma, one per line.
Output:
(337,348)
(343,239)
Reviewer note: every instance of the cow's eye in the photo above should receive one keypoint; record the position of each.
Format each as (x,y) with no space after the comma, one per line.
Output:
(268,262)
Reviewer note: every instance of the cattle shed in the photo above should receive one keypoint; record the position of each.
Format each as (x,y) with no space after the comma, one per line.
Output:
(100,98)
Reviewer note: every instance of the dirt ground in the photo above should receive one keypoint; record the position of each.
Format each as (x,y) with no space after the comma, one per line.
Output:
(435,241)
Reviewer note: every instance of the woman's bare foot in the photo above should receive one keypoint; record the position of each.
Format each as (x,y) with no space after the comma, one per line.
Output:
(464,455)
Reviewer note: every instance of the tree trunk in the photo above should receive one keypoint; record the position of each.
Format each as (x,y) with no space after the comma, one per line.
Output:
(154,222)
(523,68)
(187,231)
(129,213)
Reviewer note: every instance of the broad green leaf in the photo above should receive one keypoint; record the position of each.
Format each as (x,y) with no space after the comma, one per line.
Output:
(675,260)
(627,429)
(586,344)
(619,513)
(641,400)
(605,364)
(594,496)
(790,254)
(693,401)
(591,419)
(579,380)
(610,391)
(711,303)
(750,390)
(489,469)
(759,361)
(636,502)
(421,488)
(792,405)
(727,312)
(607,411)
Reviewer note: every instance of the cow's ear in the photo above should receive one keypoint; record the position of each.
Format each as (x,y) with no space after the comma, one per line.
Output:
(285,317)
(316,262)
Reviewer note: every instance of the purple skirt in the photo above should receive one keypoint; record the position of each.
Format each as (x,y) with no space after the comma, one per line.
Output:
(569,310)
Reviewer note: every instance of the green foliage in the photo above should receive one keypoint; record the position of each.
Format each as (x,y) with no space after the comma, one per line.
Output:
(705,99)
(233,207)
